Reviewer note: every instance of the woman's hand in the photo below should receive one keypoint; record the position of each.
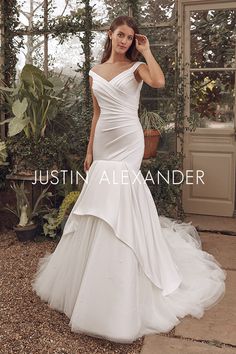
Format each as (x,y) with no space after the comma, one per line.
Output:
(142,43)
(87,162)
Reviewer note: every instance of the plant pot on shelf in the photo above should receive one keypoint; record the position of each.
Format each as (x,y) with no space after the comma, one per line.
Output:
(151,140)
(26,233)
(153,125)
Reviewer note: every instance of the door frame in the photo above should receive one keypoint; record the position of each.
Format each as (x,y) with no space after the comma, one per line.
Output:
(184,55)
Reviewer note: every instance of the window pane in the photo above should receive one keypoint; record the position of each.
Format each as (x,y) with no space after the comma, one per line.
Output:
(213,35)
(163,100)
(31,52)
(154,12)
(64,7)
(65,57)
(162,43)
(31,12)
(212,99)
(98,45)
(106,10)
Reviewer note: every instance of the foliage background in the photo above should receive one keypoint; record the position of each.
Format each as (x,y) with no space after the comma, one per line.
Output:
(66,38)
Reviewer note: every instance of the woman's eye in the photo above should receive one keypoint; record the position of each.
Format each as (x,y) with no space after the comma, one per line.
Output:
(130,38)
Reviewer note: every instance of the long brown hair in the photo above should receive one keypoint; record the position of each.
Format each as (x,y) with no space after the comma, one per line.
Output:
(132,53)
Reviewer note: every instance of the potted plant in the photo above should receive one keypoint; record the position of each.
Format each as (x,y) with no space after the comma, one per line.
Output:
(32,104)
(27,226)
(152,125)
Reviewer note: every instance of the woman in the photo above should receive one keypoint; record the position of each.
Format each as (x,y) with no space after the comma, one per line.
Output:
(120,271)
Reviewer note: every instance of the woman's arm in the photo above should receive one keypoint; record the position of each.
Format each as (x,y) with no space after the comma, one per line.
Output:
(96,114)
(151,73)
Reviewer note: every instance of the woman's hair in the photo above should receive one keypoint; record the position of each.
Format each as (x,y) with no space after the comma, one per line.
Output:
(132,53)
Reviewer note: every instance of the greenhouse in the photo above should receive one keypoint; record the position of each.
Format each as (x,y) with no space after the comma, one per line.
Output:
(117,181)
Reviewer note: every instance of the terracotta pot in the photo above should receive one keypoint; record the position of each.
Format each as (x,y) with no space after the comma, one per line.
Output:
(26,233)
(151,140)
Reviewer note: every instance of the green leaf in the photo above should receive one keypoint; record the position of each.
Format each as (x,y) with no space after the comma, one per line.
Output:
(17,125)
(19,108)
(16,90)
(6,121)
(30,72)
(7,89)
(58,84)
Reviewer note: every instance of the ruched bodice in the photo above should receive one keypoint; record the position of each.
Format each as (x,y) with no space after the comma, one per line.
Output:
(120,94)
(118,133)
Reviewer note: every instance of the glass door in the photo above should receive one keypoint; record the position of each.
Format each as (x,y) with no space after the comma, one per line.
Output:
(209,42)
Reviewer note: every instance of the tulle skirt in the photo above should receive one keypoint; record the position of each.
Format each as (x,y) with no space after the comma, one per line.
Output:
(97,281)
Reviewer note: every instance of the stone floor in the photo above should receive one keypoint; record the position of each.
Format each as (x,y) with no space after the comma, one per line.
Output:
(224,225)
(215,332)
(29,326)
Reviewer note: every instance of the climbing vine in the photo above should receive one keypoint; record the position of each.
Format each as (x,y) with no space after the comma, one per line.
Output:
(11,44)
(135,6)
(82,24)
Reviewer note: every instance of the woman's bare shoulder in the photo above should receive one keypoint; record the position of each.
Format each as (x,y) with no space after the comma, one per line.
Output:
(96,67)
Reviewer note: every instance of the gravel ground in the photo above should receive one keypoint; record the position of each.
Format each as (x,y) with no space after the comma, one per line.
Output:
(28,325)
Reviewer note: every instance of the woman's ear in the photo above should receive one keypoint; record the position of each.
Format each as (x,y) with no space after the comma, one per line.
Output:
(109,33)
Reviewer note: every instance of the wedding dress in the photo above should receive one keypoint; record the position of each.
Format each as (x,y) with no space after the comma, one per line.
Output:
(121,271)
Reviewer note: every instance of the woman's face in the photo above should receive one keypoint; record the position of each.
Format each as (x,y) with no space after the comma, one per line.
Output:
(122,38)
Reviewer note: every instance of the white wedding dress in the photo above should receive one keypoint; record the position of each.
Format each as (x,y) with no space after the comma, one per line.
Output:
(120,271)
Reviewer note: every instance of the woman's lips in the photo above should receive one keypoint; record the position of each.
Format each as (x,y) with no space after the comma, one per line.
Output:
(121,46)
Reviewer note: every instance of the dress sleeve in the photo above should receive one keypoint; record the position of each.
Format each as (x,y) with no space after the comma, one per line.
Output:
(134,67)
